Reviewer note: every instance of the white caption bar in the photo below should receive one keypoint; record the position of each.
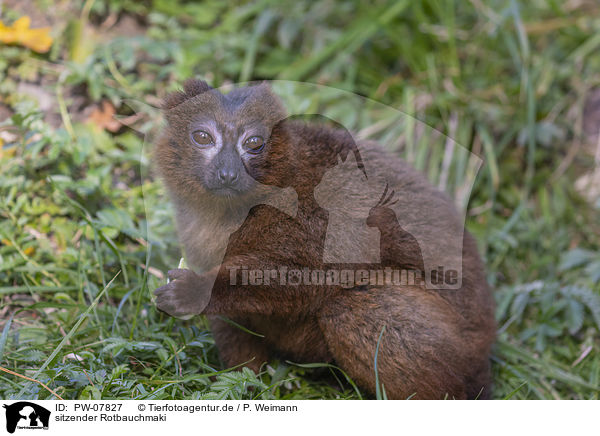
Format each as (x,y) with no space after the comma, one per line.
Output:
(297,417)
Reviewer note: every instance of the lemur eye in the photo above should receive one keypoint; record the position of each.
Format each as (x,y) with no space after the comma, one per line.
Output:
(200,137)
(254,144)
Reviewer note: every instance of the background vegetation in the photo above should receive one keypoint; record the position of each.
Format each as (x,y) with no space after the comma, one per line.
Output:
(516,83)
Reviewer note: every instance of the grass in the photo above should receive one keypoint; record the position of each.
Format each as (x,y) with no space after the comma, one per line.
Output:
(85,234)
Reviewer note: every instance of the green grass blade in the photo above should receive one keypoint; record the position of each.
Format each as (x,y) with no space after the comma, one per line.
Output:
(68,336)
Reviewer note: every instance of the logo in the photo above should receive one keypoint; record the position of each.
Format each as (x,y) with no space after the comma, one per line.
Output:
(26,415)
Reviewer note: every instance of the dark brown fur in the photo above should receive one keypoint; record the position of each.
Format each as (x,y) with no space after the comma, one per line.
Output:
(436,342)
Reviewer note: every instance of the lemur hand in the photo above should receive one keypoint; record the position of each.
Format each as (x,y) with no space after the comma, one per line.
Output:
(187,293)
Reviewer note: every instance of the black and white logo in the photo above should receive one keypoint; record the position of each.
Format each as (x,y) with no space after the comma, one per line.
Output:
(26,415)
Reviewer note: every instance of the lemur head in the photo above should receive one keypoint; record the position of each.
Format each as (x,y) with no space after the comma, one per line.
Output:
(232,145)
(214,142)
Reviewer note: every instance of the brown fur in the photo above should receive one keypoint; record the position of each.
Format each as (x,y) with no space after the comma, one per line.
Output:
(436,342)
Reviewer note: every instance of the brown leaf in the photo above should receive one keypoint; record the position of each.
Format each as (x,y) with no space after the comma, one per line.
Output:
(104,117)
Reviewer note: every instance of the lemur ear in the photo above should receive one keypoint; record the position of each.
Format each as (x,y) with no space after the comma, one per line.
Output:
(191,88)
(265,89)
(263,100)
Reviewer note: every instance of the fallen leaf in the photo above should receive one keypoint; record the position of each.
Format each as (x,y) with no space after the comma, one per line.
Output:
(104,117)
(38,40)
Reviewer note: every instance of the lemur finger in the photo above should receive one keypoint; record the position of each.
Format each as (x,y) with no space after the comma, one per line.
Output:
(177,274)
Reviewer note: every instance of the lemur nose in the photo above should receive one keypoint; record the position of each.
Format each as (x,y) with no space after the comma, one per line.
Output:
(228,176)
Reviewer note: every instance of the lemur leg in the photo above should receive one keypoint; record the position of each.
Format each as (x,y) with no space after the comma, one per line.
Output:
(425,350)
(237,346)
(189,293)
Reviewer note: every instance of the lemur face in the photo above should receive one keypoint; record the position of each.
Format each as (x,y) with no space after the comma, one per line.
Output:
(219,142)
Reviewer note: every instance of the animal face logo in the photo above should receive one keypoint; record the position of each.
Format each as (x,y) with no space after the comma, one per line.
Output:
(26,415)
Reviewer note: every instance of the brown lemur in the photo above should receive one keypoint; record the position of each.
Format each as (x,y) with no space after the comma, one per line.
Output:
(217,156)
